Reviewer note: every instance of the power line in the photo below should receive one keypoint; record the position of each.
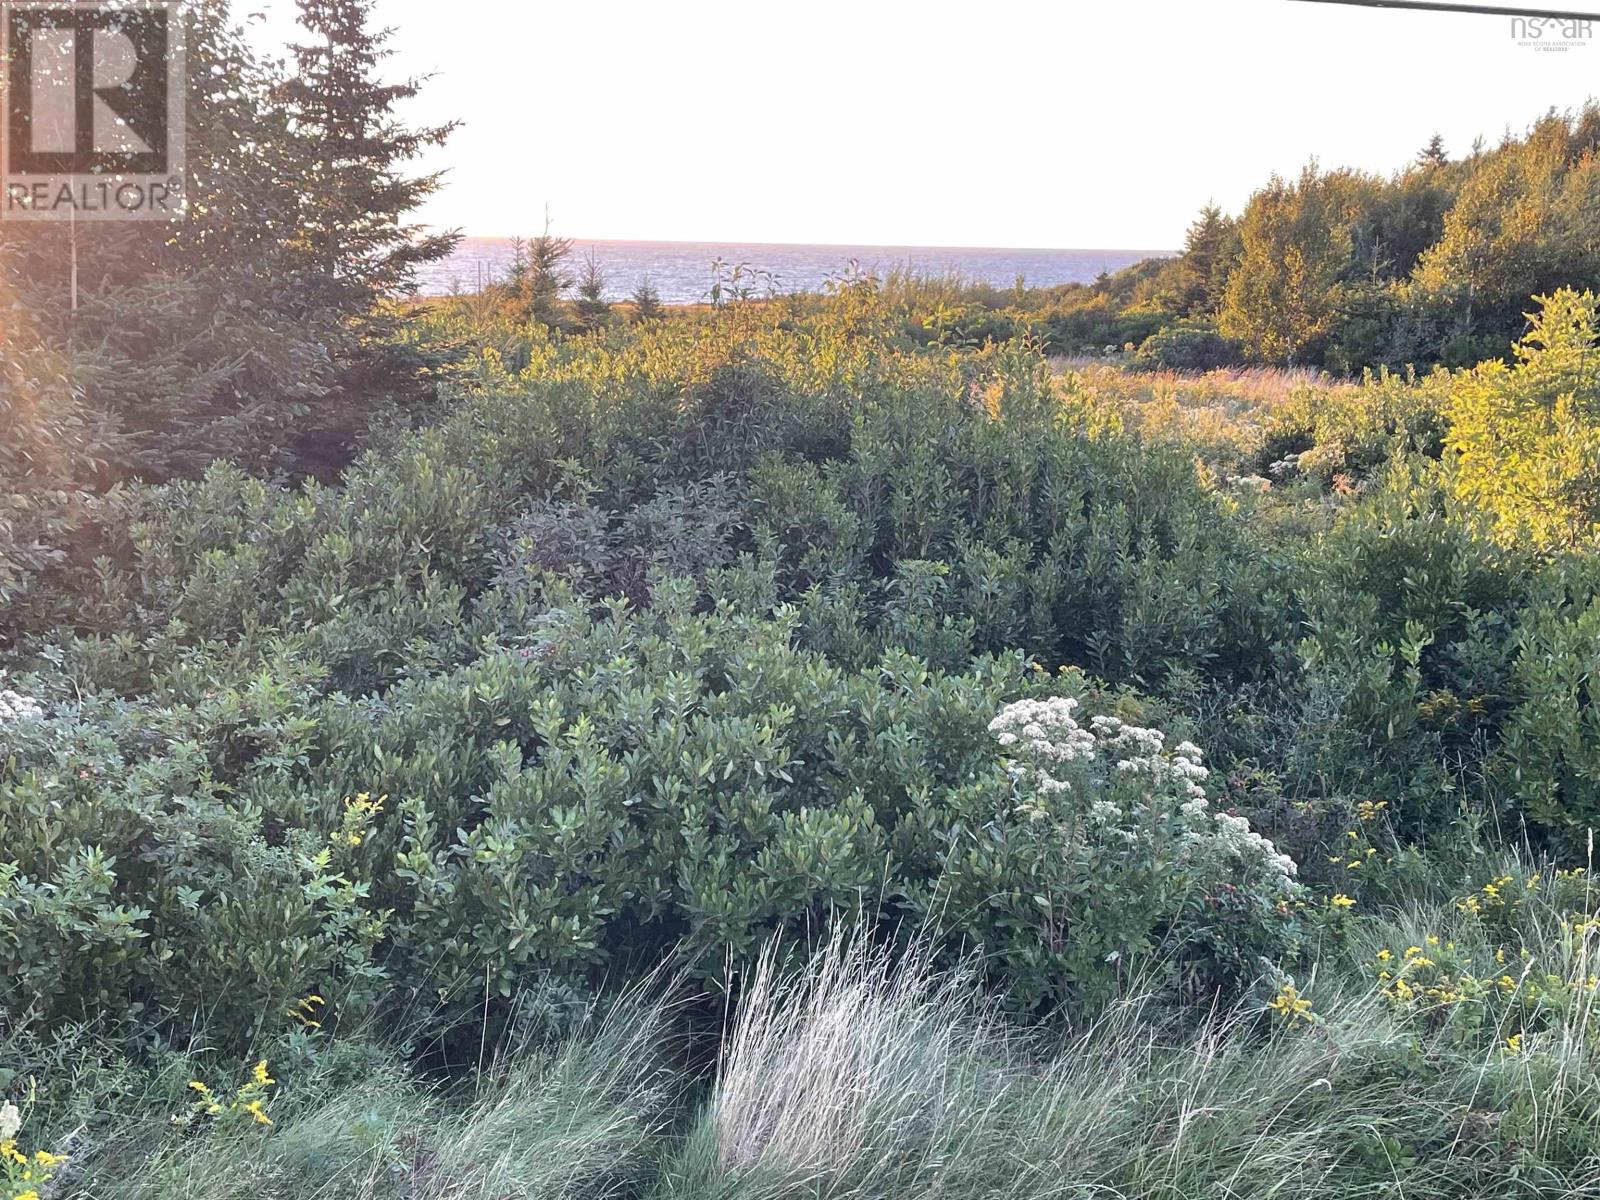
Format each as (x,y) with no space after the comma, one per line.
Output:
(1492,10)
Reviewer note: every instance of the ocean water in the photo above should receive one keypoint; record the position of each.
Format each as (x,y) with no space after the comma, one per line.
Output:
(682,271)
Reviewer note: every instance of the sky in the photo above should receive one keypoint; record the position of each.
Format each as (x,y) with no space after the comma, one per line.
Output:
(1058,123)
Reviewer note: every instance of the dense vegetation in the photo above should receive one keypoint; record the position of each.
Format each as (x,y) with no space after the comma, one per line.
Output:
(1340,269)
(814,745)
(671,646)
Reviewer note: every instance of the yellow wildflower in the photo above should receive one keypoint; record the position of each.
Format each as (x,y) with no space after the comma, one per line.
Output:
(1290,1004)
(1342,901)
(305,1009)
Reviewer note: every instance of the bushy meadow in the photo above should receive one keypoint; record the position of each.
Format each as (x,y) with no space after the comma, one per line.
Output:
(794,749)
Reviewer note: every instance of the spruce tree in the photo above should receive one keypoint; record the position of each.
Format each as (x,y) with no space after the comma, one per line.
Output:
(194,339)
(593,309)
(354,154)
(1433,154)
(542,279)
(1208,252)
(353,163)
(646,301)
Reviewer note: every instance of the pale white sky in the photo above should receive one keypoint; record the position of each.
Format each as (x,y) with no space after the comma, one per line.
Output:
(1037,123)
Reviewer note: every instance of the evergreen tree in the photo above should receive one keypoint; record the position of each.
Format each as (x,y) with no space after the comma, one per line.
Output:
(646,301)
(593,309)
(354,154)
(1433,155)
(541,277)
(197,339)
(1208,252)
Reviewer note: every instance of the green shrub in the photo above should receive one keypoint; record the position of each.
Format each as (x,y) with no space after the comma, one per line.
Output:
(1527,437)
(1193,345)
(1100,859)
(1548,761)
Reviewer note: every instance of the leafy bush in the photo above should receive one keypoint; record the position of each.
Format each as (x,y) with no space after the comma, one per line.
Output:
(1104,858)
(1548,758)
(1187,346)
(1527,437)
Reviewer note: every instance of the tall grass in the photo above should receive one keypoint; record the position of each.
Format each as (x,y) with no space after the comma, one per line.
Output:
(850,1079)
(858,1075)
(587,1118)
(853,1074)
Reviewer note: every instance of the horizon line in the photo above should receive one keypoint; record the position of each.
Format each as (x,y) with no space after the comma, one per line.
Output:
(830,245)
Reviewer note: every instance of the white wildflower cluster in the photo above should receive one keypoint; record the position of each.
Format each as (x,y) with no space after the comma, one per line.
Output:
(1233,836)
(1045,732)
(16,708)
(1045,737)
(1140,751)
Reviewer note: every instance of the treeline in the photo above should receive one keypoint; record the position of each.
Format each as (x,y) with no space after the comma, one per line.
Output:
(1345,270)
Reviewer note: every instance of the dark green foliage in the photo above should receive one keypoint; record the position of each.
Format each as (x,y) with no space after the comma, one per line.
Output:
(357,195)
(254,322)
(1551,739)
(660,643)
(623,705)
(646,301)
(1194,345)
(539,278)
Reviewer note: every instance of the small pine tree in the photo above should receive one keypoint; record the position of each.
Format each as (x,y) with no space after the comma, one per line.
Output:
(517,271)
(542,277)
(593,308)
(1433,154)
(646,301)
